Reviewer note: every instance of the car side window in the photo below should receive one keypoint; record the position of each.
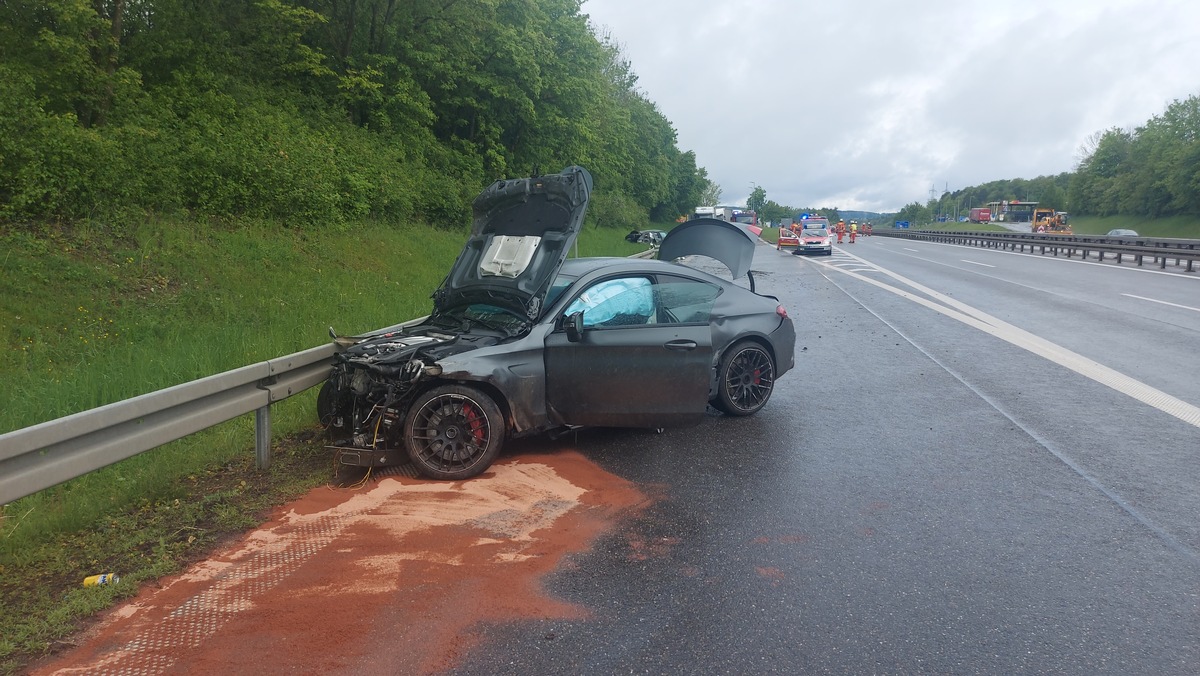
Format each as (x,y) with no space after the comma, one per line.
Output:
(625,301)
(685,301)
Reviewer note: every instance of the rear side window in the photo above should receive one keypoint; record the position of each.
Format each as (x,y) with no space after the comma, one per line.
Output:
(685,301)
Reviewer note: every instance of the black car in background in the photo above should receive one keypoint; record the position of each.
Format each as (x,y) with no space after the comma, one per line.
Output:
(651,237)
(522,340)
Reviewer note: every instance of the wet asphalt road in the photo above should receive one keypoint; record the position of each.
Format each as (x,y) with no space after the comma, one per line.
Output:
(919,496)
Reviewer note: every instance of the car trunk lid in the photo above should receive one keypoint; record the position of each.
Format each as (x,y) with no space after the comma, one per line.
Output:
(729,243)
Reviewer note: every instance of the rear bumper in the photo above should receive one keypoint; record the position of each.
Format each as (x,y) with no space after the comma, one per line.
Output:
(783,341)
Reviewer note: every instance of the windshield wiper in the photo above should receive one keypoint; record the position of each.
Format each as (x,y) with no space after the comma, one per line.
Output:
(496,325)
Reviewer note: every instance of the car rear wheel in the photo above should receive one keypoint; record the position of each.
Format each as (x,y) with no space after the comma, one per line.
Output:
(745,379)
(453,432)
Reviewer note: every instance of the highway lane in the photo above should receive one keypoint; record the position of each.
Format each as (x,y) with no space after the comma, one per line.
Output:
(1151,371)
(921,495)
(1142,321)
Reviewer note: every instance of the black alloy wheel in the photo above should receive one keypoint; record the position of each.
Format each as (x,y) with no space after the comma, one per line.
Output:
(453,432)
(746,379)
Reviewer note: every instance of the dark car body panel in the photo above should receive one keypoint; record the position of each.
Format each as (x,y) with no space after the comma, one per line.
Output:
(510,367)
(662,369)
(506,334)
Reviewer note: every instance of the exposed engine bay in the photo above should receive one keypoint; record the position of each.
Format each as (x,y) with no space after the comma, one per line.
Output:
(373,384)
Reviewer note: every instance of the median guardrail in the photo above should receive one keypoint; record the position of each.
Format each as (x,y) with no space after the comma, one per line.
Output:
(1184,252)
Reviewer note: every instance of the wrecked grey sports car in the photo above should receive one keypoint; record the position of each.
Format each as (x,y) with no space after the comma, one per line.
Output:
(522,340)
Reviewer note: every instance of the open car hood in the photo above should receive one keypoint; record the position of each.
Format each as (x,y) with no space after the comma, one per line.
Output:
(522,231)
(730,243)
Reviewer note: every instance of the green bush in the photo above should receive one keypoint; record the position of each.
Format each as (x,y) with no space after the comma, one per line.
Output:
(616,210)
(50,166)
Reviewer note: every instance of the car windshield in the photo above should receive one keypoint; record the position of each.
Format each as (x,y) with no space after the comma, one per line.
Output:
(556,289)
(816,233)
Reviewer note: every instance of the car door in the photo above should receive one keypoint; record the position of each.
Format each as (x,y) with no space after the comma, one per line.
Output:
(636,363)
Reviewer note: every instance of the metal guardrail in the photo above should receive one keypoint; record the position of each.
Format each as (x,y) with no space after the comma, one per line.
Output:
(1185,252)
(47,454)
(37,457)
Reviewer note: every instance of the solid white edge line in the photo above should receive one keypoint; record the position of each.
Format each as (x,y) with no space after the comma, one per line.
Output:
(1152,300)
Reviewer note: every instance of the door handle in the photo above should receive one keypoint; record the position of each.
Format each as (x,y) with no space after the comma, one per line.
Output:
(680,345)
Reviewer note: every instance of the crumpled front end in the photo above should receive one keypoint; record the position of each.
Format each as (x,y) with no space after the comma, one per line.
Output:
(368,393)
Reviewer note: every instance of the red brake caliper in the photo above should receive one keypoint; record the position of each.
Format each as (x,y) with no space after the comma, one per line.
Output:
(473,422)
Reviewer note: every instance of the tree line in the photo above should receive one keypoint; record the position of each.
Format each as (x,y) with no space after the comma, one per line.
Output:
(770,211)
(320,112)
(1149,171)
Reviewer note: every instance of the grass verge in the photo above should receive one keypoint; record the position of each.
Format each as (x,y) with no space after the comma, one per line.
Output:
(99,313)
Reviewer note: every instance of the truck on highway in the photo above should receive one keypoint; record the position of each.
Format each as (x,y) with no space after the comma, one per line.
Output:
(721,213)
(746,216)
(980,215)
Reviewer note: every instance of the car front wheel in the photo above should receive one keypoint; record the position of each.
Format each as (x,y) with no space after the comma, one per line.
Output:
(745,379)
(453,432)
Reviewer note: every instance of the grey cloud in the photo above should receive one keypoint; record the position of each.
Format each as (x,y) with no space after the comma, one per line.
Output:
(865,105)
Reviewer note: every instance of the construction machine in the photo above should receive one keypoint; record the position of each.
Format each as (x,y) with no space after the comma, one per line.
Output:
(1051,221)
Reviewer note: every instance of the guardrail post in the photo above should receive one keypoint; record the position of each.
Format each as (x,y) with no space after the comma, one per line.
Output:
(262,436)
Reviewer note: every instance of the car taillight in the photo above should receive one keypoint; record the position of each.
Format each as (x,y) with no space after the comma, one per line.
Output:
(781,312)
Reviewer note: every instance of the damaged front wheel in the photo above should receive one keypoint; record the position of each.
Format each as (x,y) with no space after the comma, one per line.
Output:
(453,432)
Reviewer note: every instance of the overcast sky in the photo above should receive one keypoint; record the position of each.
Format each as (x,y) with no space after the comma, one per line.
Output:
(862,104)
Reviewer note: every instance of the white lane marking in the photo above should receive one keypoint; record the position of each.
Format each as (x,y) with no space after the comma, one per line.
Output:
(977,263)
(1025,340)
(908,249)
(1185,307)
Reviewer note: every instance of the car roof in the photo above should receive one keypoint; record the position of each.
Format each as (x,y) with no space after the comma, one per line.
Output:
(578,267)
